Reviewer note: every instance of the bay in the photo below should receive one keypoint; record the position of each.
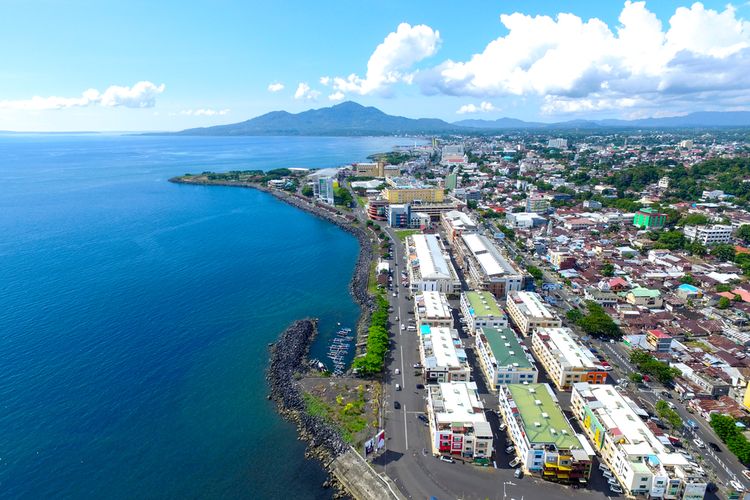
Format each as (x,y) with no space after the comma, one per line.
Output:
(135,315)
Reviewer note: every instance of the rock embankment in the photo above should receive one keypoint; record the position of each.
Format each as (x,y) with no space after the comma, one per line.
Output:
(287,364)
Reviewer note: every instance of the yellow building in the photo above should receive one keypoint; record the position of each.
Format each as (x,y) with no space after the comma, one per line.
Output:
(746,399)
(409,195)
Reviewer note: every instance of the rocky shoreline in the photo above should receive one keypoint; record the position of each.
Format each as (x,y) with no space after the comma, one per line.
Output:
(287,364)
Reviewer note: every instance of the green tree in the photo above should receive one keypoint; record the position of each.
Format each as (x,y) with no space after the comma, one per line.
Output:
(307,190)
(668,414)
(688,279)
(636,377)
(724,303)
(724,252)
(574,315)
(743,233)
(607,269)
(535,272)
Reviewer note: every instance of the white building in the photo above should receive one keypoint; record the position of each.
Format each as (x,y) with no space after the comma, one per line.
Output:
(542,437)
(709,235)
(453,155)
(488,268)
(456,223)
(558,143)
(639,461)
(566,361)
(442,355)
(481,309)
(527,311)
(503,359)
(429,267)
(432,309)
(458,426)
(323,188)
(524,220)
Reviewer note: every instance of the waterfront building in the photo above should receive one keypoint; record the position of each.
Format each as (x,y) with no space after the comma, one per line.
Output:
(375,169)
(527,311)
(428,266)
(479,309)
(488,269)
(399,215)
(442,355)
(455,223)
(648,218)
(542,437)
(404,190)
(377,209)
(323,188)
(458,426)
(715,234)
(565,359)
(639,461)
(432,308)
(503,359)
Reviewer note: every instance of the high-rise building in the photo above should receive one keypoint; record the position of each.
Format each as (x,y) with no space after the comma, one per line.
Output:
(648,218)
(558,143)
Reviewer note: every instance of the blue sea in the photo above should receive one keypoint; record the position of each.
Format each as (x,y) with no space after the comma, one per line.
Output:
(135,315)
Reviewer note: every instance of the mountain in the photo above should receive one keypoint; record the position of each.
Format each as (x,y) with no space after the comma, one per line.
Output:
(347,118)
(499,123)
(352,119)
(698,119)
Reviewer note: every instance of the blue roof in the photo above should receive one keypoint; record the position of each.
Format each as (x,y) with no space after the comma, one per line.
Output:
(689,288)
(425,329)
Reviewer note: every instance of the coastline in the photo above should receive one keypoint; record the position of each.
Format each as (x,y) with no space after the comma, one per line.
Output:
(348,473)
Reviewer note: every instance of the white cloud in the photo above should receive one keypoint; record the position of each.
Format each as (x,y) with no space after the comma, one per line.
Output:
(392,59)
(141,95)
(336,96)
(305,92)
(484,107)
(275,87)
(325,80)
(702,56)
(204,112)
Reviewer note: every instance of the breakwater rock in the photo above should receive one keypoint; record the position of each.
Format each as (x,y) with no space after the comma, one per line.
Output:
(287,364)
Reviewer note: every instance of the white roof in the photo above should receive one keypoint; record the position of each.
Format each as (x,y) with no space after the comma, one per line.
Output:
(530,304)
(435,305)
(443,349)
(461,403)
(569,352)
(489,257)
(432,263)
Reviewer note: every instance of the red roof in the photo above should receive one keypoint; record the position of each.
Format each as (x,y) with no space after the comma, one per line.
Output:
(659,334)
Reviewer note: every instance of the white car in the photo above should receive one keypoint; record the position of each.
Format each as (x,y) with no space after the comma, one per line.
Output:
(443,458)
(515,462)
(403,327)
(699,443)
(503,427)
(615,488)
(607,474)
(737,485)
(603,467)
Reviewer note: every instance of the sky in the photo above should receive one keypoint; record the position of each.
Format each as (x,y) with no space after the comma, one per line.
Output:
(170,65)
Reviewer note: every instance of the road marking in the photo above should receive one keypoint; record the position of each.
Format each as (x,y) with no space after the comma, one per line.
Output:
(403,380)
(406,432)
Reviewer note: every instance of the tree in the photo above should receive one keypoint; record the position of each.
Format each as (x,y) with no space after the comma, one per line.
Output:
(724,303)
(307,190)
(688,279)
(574,315)
(607,269)
(724,252)
(472,204)
(342,196)
(693,220)
(535,272)
(743,233)
(668,414)
(636,377)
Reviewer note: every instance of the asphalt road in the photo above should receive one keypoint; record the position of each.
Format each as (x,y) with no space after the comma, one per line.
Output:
(407,458)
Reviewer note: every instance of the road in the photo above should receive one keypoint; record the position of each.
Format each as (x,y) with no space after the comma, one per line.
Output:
(407,458)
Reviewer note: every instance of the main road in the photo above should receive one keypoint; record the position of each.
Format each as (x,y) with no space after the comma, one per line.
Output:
(407,458)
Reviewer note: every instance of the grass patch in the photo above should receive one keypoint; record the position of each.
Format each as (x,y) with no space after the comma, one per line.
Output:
(347,416)
(700,345)
(361,201)
(404,233)
(372,280)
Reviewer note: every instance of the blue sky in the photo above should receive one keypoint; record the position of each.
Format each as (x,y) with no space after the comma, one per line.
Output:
(170,65)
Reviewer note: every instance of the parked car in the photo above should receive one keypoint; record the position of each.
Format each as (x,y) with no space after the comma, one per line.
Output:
(403,327)
(699,443)
(518,474)
(666,394)
(420,386)
(615,489)
(502,427)
(603,467)
(423,418)
(396,405)
(607,474)
(515,462)
(510,449)
(417,365)
(443,458)
(395,294)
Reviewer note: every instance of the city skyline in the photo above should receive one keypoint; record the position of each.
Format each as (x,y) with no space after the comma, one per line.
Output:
(159,67)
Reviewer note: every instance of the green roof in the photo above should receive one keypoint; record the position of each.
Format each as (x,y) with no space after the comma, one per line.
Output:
(487,308)
(531,414)
(503,352)
(645,292)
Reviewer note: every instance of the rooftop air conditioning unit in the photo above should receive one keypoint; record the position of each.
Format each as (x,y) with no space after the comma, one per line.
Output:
(537,424)
(545,415)
(537,402)
(532,390)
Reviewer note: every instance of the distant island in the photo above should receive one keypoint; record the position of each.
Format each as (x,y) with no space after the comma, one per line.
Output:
(352,119)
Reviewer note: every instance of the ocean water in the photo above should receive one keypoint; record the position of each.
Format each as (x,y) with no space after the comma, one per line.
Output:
(135,315)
